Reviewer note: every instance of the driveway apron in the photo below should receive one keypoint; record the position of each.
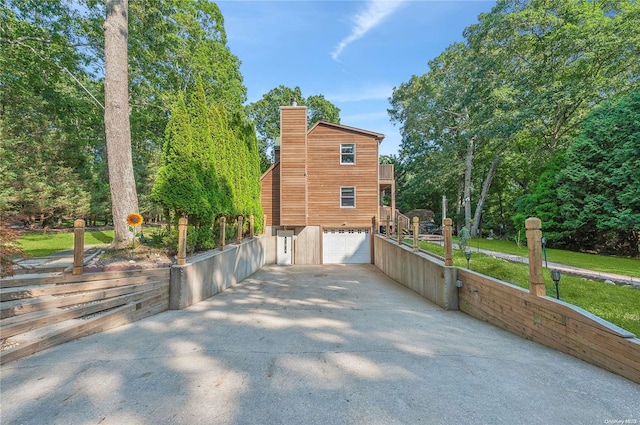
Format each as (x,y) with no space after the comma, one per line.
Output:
(311,345)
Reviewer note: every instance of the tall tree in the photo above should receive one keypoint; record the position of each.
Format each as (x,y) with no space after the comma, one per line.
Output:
(518,89)
(210,166)
(51,67)
(446,117)
(49,117)
(600,184)
(175,44)
(172,45)
(589,198)
(560,58)
(124,197)
(265,115)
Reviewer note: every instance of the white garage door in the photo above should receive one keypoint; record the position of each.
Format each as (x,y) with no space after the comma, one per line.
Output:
(342,246)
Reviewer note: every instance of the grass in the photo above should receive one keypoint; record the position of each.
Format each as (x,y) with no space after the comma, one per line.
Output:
(38,244)
(601,263)
(619,305)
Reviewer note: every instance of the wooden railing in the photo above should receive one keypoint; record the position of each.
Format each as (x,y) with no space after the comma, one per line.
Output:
(386,172)
(404,223)
(386,211)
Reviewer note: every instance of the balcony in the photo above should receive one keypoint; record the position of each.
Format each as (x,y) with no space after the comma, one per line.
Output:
(385,173)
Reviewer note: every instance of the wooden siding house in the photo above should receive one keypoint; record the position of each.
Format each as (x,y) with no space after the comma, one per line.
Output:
(323,191)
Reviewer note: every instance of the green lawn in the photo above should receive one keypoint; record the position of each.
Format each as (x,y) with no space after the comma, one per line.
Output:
(616,304)
(38,244)
(602,263)
(619,305)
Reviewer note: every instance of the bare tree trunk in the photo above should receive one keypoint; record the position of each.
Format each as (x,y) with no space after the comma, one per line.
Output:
(467,183)
(124,199)
(459,202)
(483,196)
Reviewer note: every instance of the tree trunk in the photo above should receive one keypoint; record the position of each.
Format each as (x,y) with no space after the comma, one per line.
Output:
(459,203)
(468,166)
(124,199)
(483,196)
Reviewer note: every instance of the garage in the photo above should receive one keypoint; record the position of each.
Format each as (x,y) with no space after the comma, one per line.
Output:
(346,246)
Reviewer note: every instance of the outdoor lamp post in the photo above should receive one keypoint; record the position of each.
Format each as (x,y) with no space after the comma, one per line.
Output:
(467,254)
(544,251)
(555,275)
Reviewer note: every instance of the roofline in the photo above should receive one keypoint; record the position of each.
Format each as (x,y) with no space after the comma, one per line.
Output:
(268,170)
(378,136)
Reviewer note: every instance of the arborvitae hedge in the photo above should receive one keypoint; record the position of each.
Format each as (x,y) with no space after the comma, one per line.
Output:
(210,167)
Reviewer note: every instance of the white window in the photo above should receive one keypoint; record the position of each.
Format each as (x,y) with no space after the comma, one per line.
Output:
(348,197)
(347,153)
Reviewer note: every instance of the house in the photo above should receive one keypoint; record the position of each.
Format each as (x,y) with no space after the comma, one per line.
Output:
(322,195)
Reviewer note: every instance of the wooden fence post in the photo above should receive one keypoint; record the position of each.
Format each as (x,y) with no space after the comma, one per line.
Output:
(416,226)
(251,224)
(388,235)
(239,233)
(264,224)
(78,246)
(182,241)
(448,242)
(374,224)
(223,232)
(534,243)
(399,229)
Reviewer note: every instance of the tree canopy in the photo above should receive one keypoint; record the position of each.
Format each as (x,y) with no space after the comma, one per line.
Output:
(591,195)
(210,166)
(49,124)
(492,113)
(52,61)
(533,113)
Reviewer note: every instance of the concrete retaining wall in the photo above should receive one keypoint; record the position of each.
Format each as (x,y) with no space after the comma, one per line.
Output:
(417,271)
(211,272)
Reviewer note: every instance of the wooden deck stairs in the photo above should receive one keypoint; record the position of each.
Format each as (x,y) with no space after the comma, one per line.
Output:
(39,312)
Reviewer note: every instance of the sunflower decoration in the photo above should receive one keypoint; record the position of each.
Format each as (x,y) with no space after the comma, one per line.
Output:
(134,220)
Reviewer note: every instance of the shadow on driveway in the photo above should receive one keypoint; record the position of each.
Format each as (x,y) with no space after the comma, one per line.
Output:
(311,345)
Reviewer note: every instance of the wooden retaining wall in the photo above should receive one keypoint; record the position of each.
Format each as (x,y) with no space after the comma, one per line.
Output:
(41,312)
(554,323)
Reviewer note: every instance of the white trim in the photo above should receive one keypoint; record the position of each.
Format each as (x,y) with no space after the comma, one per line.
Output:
(354,154)
(354,197)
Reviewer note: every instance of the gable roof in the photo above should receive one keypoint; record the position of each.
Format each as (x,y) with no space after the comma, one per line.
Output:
(377,136)
(268,170)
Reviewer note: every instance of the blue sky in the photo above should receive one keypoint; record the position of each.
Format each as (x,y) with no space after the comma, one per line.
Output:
(352,52)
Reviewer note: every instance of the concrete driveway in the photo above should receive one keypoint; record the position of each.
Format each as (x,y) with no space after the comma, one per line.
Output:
(311,345)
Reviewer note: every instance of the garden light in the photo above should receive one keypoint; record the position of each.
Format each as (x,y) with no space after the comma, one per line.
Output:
(555,275)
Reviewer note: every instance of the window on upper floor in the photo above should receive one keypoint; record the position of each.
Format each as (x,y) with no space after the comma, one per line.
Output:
(347,197)
(347,153)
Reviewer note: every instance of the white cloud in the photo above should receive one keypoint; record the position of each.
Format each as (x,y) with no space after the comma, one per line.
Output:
(365,20)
